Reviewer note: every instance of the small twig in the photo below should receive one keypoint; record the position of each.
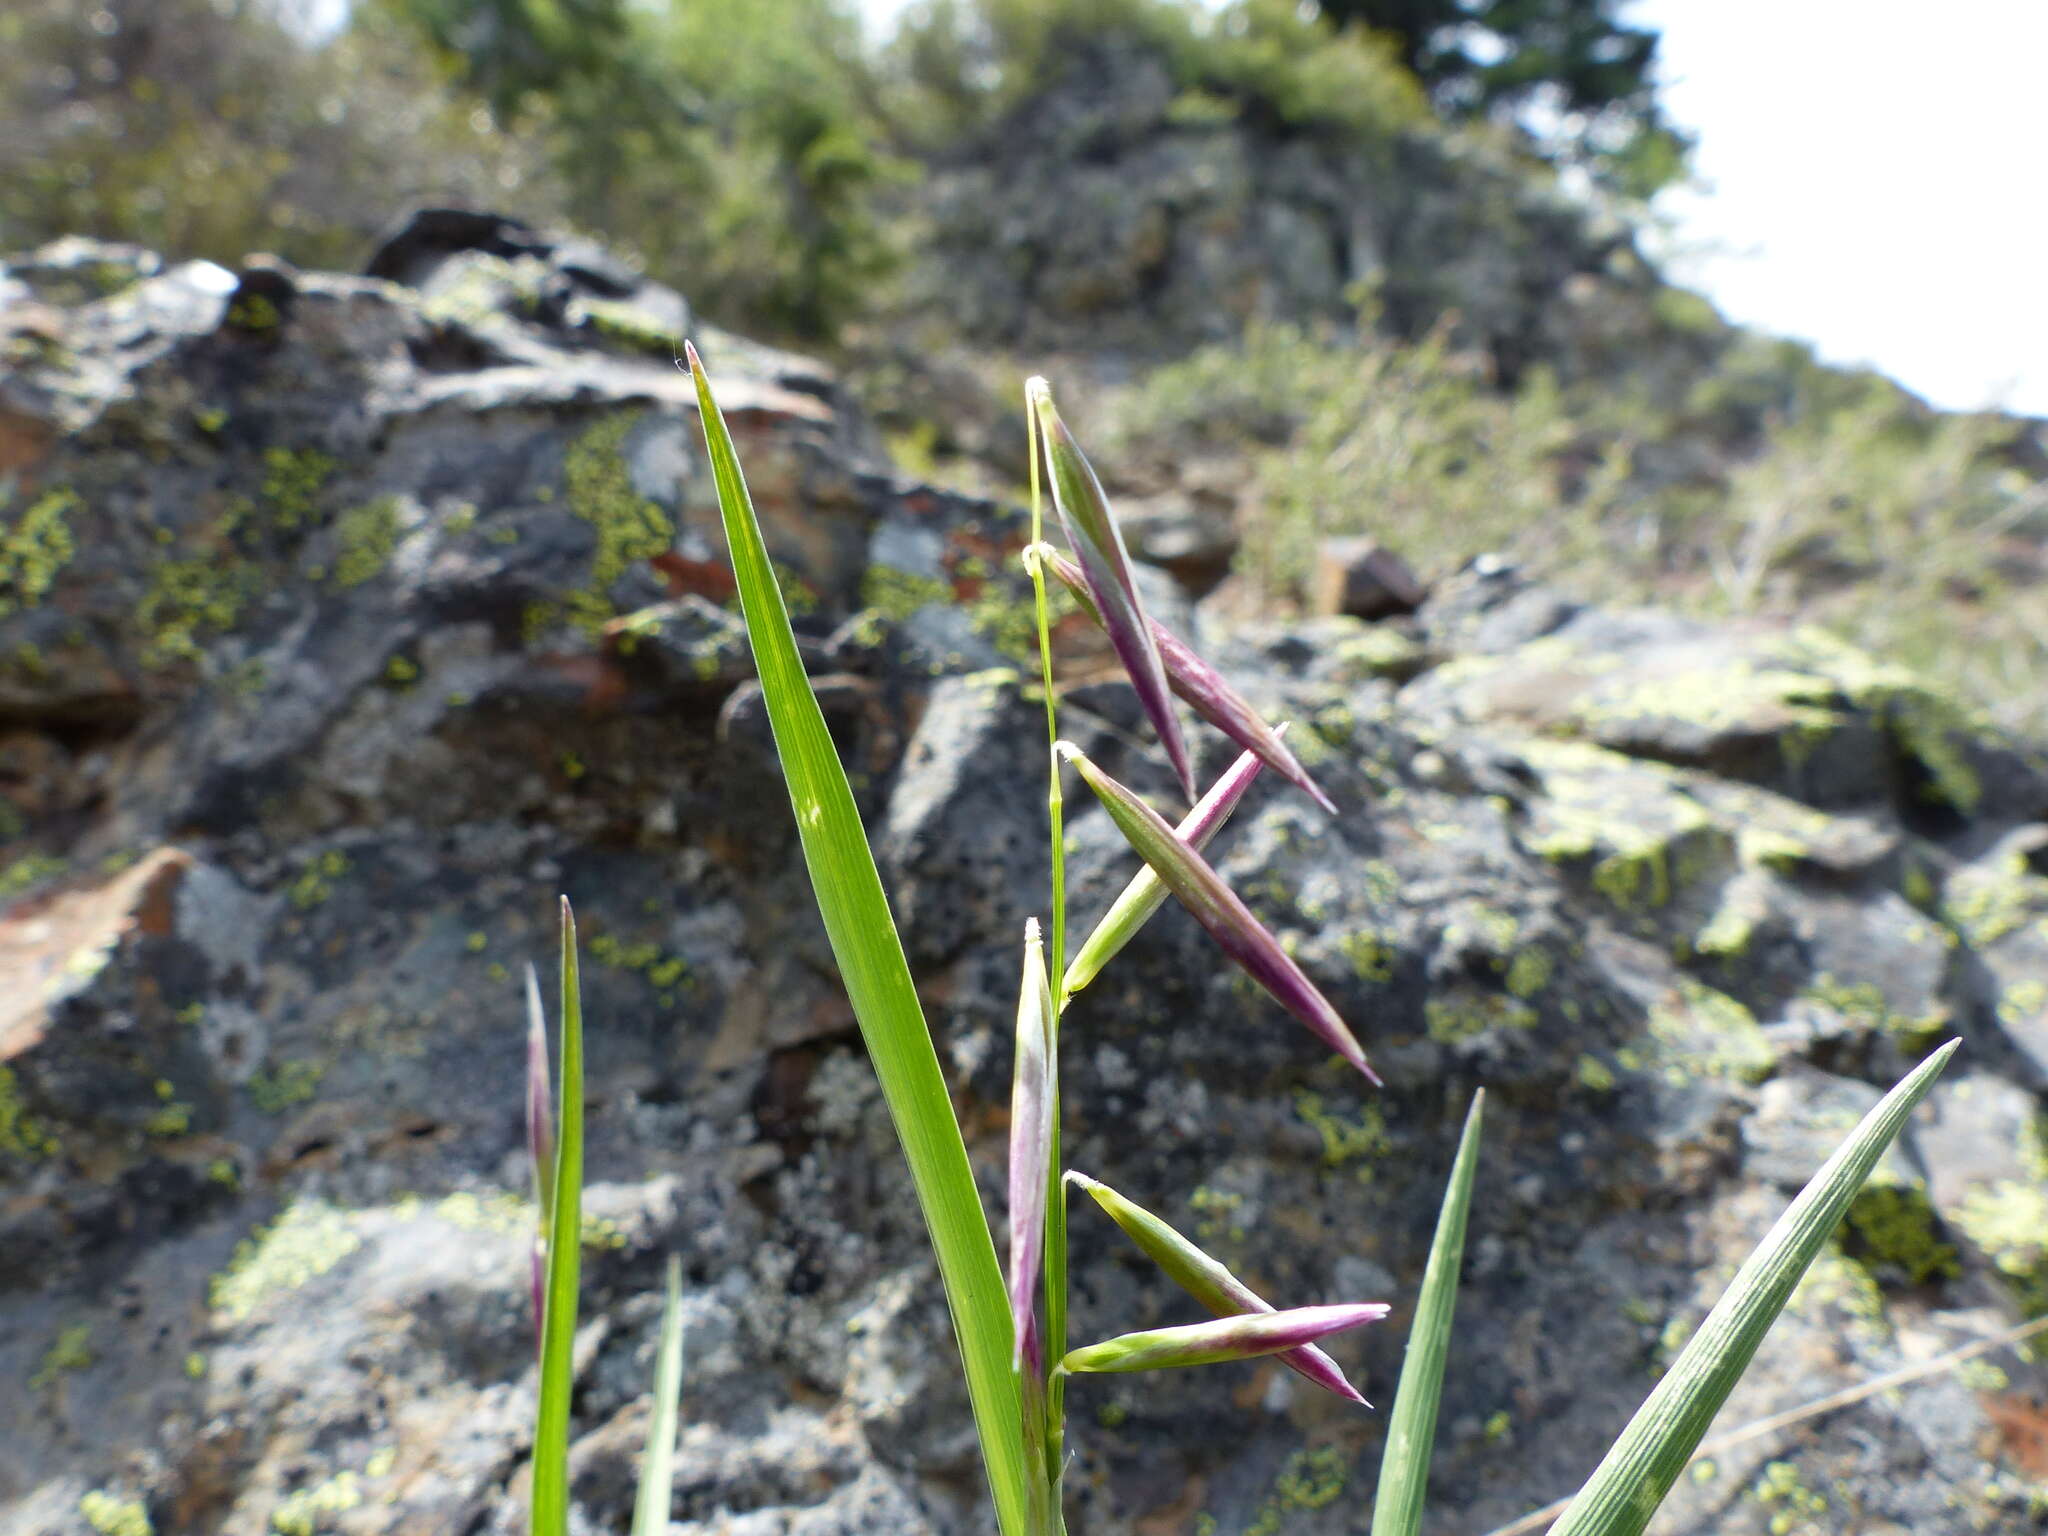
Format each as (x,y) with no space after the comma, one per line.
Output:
(1820,1405)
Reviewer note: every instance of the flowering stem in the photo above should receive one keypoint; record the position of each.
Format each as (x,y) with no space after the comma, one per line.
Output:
(1050,1398)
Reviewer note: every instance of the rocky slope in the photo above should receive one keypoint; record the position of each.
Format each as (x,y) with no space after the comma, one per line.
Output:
(347,620)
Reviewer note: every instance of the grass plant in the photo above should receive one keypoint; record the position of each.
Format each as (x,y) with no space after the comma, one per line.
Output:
(1012,1336)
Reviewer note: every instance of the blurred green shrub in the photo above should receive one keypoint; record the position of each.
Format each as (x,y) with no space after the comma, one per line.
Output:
(211,128)
(963,66)
(734,146)
(1815,492)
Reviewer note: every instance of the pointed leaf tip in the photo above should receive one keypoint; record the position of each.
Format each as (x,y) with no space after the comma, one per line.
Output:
(1219,909)
(1208,1281)
(1243,1337)
(1105,566)
(1205,690)
(690,356)
(1411,1427)
(1640,1467)
(1146,892)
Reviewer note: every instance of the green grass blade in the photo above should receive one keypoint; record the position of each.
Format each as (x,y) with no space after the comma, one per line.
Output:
(1411,1430)
(877,978)
(1631,1481)
(565,1232)
(657,1467)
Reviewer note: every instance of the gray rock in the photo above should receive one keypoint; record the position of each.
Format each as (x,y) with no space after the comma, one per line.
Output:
(1361,578)
(381,616)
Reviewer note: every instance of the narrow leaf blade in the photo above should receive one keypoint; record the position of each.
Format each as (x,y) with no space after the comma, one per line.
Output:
(1143,896)
(1205,1279)
(657,1467)
(1637,1472)
(1207,691)
(1220,911)
(1105,571)
(565,1230)
(1243,1337)
(1411,1429)
(877,977)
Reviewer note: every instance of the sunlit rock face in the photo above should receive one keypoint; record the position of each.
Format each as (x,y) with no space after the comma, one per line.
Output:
(345,621)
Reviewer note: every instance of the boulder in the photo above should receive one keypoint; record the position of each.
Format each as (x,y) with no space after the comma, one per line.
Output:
(350,619)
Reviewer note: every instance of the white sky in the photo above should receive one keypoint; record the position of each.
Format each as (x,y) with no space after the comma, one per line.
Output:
(1876,181)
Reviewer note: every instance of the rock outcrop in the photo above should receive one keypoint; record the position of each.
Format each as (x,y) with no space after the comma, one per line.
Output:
(343,623)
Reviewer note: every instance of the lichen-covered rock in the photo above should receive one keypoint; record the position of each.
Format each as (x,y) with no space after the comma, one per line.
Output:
(347,620)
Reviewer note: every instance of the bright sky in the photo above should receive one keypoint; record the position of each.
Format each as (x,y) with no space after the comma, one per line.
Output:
(1876,181)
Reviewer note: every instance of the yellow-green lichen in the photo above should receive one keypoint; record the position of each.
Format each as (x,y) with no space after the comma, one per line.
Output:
(505,1213)
(1987,902)
(290,1082)
(646,959)
(1735,696)
(1379,652)
(306,1511)
(1310,1479)
(472,295)
(599,489)
(1594,1073)
(1345,1141)
(1699,1031)
(70,1351)
(169,1120)
(1468,1015)
(2009,1222)
(316,881)
(292,482)
(30,869)
(1479,926)
(1216,1212)
(1336,724)
(1008,619)
(1982,1376)
(1647,837)
(188,600)
(253,312)
(21,1135)
(1731,928)
(1380,882)
(1865,1003)
(1834,1280)
(1370,952)
(632,328)
(897,594)
(305,1242)
(1796,1509)
(1926,724)
(364,538)
(33,549)
(1892,1225)
(112,1516)
(1529,971)
(2023,1000)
